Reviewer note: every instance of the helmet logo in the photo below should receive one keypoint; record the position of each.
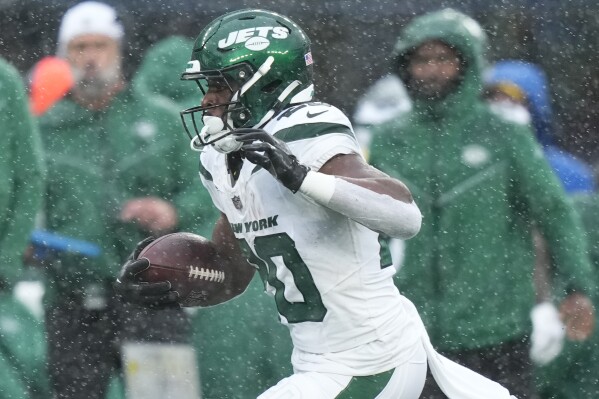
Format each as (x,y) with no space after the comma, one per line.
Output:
(243,35)
(257,43)
(193,67)
(145,130)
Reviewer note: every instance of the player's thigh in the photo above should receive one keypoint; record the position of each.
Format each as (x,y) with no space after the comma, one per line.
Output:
(408,379)
(308,385)
(404,382)
(80,353)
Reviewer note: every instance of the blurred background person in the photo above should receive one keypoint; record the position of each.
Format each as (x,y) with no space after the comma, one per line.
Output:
(386,99)
(22,342)
(117,172)
(511,84)
(154,77)
(481,184)
(575,373)
(227,331)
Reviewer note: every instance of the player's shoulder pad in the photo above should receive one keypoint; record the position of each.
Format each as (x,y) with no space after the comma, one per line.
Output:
(312,112)
(308,120)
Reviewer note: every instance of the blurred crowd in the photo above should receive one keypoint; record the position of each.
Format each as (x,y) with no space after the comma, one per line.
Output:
(503,272)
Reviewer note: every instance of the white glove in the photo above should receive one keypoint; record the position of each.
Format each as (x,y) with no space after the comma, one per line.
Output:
(548,332)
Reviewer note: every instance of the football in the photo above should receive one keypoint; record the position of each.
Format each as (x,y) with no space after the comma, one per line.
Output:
(189,263)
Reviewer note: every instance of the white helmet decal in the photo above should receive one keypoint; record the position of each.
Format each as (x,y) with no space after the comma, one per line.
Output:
(193,67)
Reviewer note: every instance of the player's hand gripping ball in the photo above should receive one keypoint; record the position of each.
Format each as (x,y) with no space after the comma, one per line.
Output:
(184,262)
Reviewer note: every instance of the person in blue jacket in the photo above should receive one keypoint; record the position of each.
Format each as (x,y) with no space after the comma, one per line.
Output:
(565,369)
(575,174)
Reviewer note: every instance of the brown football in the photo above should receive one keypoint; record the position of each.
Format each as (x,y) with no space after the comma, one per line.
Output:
(189,263)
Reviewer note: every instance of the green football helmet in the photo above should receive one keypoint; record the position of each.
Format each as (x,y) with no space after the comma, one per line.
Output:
(262,57)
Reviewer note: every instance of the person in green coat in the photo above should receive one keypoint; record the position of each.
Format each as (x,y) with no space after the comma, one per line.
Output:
(482,184)
(227,331)
(574,374)
(22,354)
(154,77)
(119,171)
(21,172)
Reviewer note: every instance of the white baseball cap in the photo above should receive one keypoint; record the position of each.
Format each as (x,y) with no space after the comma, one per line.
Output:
(89,17)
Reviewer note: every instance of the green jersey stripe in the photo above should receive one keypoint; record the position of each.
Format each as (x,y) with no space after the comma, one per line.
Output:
(385,252)
(311,130)
(205,173)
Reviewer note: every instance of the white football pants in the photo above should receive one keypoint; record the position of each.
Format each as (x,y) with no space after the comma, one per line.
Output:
(406,382)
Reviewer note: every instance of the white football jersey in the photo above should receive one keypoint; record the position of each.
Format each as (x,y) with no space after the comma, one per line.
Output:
(332,287)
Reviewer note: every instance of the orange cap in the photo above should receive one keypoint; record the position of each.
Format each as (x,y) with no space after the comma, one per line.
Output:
(51,80)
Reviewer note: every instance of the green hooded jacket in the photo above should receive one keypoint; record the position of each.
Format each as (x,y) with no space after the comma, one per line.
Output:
(97,160)
(158,76)
(21,173)
(158,80)
(481,184)
(573,374)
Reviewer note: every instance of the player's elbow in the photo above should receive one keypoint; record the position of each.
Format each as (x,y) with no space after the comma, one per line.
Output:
(406,221)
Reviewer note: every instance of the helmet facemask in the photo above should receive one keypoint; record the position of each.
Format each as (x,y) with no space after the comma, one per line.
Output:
(213,130)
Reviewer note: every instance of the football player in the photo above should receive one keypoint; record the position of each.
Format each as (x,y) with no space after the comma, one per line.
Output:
(300,205)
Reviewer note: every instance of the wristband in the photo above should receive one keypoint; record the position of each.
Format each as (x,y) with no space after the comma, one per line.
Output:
(318,186)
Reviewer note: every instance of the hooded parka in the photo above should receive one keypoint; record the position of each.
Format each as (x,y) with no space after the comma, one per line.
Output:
(481,184)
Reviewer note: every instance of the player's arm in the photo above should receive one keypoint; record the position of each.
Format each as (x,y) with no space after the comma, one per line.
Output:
(345,184)
(353,169)
(227,249)
(348,185)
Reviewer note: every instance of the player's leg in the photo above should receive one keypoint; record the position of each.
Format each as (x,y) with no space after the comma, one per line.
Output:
(308,385)
(80,353)
(150,342)
(408,380)
(507,364)
(403,382)
(167,325)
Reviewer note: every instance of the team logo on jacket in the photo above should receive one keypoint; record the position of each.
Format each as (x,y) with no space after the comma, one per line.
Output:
(475,155)
(237,202)
(145,129)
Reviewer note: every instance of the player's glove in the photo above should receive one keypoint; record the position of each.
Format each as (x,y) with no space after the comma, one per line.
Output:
(272,154)
(131,289)
(548,332)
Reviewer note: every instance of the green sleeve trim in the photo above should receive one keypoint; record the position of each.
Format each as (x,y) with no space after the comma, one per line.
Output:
(205,173)
(312,130)
(309,131)
(385,252)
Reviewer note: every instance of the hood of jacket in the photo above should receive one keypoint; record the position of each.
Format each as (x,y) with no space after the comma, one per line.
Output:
(533,82)
(160,70)
(463,34)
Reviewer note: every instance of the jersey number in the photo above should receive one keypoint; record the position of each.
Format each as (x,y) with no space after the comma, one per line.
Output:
(281,245)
